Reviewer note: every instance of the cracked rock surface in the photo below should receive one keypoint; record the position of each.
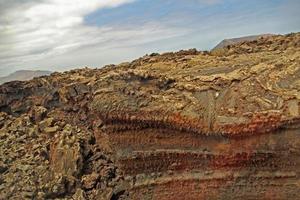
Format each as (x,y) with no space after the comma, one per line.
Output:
(187,125)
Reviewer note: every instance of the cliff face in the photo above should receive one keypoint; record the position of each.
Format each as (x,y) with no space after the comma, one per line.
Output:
(185,125)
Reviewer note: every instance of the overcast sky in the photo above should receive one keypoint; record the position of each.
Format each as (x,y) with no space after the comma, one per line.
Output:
(58,35)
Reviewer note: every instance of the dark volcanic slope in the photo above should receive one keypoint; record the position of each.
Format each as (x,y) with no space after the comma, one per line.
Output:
(185,125)
(234,41)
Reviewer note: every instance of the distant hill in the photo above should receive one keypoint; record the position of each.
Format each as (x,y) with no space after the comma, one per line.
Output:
(233,41)
(23,75)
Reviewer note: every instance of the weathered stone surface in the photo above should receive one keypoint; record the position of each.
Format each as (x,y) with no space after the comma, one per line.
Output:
(79,195)
(38,113)
(185,125)
(3,167)
(46,123)
(89,181)
(66,156)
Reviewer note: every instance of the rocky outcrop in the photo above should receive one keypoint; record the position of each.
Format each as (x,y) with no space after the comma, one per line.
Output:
(185,125)
(40,164)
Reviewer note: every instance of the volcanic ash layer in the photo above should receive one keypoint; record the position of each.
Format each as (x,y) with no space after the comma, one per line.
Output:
(188,125)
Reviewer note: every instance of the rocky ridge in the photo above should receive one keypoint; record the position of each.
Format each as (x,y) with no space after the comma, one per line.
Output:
(190,124)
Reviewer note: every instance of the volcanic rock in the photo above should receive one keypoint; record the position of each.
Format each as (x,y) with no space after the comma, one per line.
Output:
(185,125)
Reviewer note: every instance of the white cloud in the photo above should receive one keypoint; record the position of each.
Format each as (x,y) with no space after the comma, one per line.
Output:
(33,32)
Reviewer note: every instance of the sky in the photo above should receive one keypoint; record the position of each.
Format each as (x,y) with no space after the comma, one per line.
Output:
(59,35)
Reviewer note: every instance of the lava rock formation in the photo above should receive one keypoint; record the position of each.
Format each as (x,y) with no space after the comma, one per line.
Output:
(187,125)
